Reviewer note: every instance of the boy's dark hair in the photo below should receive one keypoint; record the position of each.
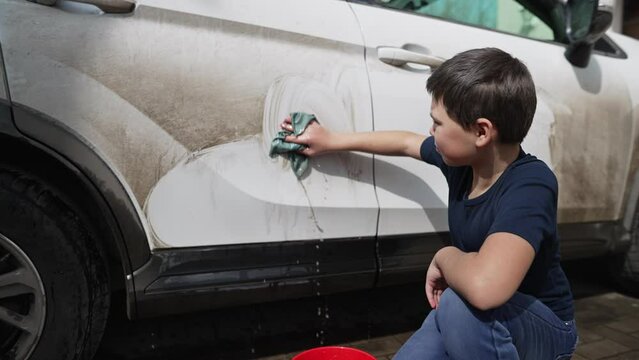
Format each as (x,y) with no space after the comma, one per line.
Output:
(486,83)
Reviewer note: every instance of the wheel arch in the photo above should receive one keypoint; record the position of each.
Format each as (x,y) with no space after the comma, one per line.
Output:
(43,147)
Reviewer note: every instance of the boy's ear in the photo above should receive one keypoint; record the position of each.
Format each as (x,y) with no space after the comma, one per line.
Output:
(485,132)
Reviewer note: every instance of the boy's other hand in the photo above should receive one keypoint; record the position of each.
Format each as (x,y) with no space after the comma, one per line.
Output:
(318,139)
(435,284)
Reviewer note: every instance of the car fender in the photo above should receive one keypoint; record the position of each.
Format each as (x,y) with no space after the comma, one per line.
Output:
(631,189)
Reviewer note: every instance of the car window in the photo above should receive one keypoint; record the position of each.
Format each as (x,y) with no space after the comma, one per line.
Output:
(503,15)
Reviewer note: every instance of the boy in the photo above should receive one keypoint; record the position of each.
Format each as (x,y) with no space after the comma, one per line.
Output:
(498,292)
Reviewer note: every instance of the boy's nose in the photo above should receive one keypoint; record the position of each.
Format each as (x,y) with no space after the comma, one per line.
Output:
(431,132)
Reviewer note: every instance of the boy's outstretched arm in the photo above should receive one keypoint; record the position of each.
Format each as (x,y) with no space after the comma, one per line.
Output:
(320,140)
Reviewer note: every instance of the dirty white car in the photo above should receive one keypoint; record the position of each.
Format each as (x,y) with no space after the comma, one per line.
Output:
(134,144)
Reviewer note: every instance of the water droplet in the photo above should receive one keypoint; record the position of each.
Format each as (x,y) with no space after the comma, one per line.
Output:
(252,350)
(319,311)
(312,214)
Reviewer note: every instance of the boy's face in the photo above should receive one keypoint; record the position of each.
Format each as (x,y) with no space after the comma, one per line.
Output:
(455,144)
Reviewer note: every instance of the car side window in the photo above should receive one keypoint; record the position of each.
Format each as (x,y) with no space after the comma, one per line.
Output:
(503,15)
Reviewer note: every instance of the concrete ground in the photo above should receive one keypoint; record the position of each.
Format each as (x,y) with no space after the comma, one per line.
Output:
(608,321)
(377,321)
(608,329)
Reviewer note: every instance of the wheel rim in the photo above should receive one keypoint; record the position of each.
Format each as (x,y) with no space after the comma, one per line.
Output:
(22,302)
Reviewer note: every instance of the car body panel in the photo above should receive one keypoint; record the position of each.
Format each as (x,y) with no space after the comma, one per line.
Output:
(312,64)
(223,275)
(567,132)
(630,192)
(87,69)
(47,73)
(4,93)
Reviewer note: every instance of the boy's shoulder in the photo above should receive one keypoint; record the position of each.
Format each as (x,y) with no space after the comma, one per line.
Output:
(529,168)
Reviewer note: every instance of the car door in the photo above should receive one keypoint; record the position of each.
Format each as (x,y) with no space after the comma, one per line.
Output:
(242,67)
(182,99)
(568,130)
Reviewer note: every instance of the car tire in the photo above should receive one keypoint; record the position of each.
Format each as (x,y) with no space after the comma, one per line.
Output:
(63,292)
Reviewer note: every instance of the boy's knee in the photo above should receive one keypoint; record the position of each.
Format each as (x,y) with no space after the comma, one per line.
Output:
(460,324)
(450,303)
(454,312)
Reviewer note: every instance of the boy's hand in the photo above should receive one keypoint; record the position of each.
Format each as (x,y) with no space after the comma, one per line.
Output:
(435,284)
(317,138)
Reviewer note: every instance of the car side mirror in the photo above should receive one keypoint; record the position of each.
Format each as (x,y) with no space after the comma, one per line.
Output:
(586,21)
(107,6)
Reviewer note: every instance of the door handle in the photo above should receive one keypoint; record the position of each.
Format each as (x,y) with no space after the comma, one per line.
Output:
(398,57)
(111,6)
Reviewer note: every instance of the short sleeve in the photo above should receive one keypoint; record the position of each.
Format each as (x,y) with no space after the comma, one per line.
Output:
(528,208)
(430,155)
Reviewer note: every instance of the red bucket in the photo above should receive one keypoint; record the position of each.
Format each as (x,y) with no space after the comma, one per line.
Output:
(334,353)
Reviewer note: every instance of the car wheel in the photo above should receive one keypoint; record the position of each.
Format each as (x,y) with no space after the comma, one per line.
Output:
(54,287)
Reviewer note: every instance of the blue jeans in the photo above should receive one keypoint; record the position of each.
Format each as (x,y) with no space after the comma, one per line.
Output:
(522,328)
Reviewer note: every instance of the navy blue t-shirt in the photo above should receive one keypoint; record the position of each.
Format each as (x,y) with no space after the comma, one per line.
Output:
(523,201)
